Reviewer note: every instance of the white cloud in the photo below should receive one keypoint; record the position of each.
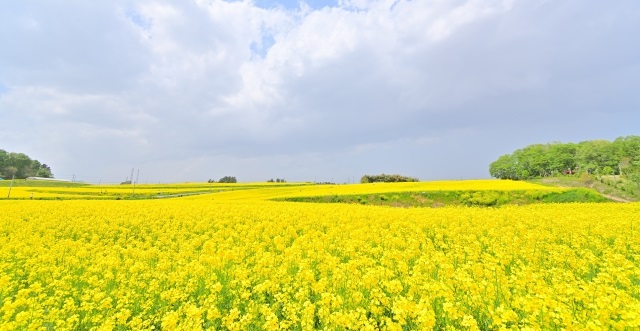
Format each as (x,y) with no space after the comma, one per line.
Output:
(208,83)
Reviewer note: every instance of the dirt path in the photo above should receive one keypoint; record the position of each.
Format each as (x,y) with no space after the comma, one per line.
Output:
(615,198)
(594,186)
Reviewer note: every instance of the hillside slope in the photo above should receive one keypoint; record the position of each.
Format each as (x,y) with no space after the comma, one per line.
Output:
(616,190)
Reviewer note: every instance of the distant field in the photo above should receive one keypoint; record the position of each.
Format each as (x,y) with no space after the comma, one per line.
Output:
(231,257)
(50,190)
(414,194)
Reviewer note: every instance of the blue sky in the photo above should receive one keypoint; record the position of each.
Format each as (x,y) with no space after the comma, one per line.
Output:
(314,90)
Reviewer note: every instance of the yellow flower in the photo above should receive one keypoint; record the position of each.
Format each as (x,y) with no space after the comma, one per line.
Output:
(170,320)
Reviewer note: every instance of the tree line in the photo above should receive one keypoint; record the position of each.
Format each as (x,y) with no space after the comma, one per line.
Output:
(21,166)
(387,178)
(225,179)
(601,157)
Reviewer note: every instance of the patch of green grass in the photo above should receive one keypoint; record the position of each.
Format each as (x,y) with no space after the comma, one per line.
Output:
(574,195)
(459,198)
(39,183)
(617,186)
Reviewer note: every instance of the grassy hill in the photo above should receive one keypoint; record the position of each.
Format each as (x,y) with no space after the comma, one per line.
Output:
(39,183)
(617,189)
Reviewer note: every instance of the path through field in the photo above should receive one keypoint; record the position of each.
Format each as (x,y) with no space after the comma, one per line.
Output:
(615,198)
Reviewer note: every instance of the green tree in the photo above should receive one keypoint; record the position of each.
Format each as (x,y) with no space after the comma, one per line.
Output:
(44,171)
(595,156)
(22,163)
(536,160)
(3,158)
(635,178)
(22,166)
(384,178)
(607,170)
(562,157)
(228,179)
(503,167)
(627,152)
(10,171)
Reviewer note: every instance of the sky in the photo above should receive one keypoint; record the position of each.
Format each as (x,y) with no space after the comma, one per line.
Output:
(191,90)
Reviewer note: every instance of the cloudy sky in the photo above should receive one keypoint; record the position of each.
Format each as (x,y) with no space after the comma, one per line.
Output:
(314,90)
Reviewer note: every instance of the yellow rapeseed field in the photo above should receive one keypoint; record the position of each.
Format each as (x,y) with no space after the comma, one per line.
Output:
(236,261)
(253,191)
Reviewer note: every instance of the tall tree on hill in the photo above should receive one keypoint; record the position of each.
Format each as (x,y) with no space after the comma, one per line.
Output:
(3,158)
(628,148)
(44,171)
(10,171)
(22,166)
(596,156)
(562,157)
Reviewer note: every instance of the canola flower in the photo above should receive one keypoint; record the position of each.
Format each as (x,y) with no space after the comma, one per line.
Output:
(288,191)
(250,264)
(112,191)
(260,191)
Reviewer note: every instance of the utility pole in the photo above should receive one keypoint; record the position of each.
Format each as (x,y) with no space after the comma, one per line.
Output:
(11,185)
(134,182)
